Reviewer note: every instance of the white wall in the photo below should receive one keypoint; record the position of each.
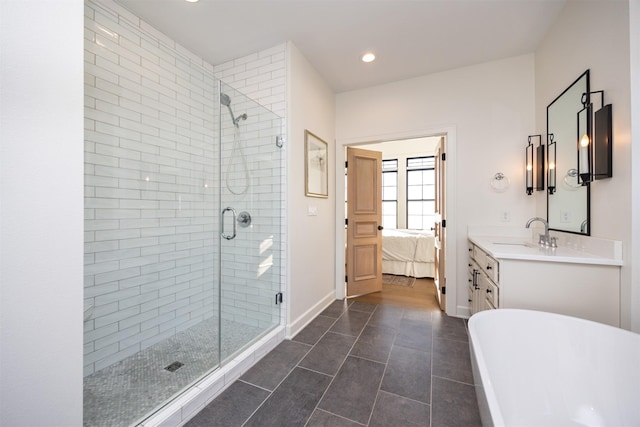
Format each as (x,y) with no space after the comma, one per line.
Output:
(566,52)
(311,106)
(634,31)
(491,108)
(41,212)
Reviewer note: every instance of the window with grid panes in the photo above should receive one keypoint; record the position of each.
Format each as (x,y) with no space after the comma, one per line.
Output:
(420,193)
(390,193)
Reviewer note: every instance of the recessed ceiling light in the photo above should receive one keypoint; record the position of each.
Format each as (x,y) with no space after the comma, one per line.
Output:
(368,57)
(193,1)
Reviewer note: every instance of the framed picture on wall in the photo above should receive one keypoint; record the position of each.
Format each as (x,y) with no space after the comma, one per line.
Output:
(316,156)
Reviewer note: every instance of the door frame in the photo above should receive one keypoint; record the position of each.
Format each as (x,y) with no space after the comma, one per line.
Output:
(449,132)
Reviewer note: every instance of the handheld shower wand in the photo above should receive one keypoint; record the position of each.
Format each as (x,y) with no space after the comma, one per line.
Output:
(226,101)
(236,153)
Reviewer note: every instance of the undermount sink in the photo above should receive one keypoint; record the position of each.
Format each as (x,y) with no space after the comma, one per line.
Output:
(525,244)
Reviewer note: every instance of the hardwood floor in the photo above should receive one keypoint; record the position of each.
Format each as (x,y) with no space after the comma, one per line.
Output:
(422,295)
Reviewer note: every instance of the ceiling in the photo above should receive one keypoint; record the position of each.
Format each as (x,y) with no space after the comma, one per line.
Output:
(409,37)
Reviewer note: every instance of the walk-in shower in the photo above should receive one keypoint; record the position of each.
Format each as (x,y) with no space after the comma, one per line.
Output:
(168,299)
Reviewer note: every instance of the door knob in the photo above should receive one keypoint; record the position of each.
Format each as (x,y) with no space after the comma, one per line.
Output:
(380,227)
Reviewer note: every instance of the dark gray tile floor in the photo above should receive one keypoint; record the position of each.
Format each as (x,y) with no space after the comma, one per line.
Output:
(358,364)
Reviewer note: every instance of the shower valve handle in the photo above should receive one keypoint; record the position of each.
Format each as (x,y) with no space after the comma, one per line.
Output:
(244,219)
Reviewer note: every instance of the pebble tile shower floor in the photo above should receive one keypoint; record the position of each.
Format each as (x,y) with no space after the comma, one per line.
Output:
(124,392)
(357,364)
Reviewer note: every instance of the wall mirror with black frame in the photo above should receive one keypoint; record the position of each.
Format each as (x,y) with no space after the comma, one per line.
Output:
(568,201)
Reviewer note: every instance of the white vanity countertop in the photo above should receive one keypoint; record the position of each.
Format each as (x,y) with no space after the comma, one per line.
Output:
(519,248)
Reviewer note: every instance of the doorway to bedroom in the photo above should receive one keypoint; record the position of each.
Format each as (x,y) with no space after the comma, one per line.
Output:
(411,212)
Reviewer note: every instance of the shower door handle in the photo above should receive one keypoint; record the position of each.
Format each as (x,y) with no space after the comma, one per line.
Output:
(227,236)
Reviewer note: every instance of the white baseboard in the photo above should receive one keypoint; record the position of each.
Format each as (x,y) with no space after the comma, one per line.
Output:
(463,312)
(298,324)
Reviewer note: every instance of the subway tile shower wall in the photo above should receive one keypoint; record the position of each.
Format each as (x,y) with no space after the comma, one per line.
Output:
(151,185)
(261,76)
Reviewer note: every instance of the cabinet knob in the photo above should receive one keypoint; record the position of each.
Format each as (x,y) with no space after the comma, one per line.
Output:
(470,250)
(488,291)
(489,267)
(469,265)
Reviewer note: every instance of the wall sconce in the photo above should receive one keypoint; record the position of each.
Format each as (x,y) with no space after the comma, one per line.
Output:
(584,140)
(529,168)
(595,149)
(534,165)
(538,163)
(551,162)
(499,183)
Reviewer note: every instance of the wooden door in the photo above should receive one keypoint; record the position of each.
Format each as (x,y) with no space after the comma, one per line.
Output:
(440,230)
(364,221)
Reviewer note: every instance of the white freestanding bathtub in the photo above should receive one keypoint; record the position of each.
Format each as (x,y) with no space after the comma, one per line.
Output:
(539,369)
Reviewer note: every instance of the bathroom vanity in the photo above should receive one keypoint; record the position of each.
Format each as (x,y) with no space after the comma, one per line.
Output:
(516,272)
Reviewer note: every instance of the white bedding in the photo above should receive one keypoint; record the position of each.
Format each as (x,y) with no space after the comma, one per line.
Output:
(408,252)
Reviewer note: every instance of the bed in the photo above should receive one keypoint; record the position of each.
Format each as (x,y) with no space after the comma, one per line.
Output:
(407,253)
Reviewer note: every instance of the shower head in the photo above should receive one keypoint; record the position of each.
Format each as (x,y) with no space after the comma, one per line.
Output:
(226,101)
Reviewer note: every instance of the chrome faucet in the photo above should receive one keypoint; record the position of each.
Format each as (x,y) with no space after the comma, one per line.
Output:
(544,238)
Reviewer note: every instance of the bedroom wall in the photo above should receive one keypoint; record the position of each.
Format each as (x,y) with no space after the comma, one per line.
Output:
(402,150)
(490,108)
(576,50)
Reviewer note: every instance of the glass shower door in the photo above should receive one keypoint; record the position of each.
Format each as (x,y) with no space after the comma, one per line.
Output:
(251,170)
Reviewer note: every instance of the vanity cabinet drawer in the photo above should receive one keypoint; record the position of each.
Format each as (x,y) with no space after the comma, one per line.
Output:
(492,268)
(489,265)
(492,293)
(479,256)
